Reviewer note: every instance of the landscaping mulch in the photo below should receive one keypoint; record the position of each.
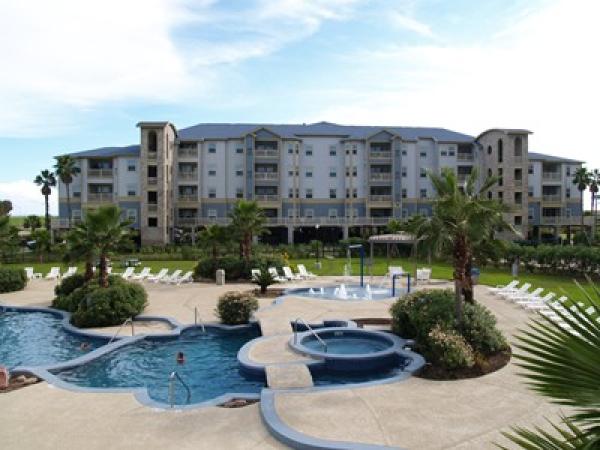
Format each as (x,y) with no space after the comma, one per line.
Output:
(18,382)
(482,367)
(238,403)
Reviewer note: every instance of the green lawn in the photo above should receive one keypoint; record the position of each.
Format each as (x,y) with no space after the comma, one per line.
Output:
(562,285)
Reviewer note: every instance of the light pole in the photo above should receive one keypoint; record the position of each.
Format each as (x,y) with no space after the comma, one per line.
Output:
(317,263)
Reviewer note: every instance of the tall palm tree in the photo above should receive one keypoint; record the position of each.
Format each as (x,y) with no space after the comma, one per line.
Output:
(463,218)
(213,237)
(32,222)
(66,168)
(107,232)
(80,247)
(581,179)
(594,188)
(247,221)
(47,181)
(563,364)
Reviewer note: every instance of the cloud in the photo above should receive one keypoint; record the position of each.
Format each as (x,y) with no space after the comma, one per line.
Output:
(26,198)
(409,23)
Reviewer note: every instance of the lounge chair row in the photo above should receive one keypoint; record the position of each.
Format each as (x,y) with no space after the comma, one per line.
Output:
(288,274)
(129,274)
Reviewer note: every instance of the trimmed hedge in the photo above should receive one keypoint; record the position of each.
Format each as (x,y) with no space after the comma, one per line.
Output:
(235,268)
(428,317)
(556,258)
(235,308)
(12,279)
(69,284)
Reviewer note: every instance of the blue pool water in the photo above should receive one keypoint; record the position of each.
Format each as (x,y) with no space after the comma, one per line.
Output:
(37,339)
(347,293)
(329,378)
(346,345)
(211,367)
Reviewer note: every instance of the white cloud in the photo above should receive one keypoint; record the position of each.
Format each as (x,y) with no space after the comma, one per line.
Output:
(26,198)
(409,23)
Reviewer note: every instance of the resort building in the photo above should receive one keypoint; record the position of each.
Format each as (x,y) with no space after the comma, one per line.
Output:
(320,180)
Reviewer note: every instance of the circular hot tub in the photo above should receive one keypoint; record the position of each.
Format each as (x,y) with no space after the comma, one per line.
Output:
(351,349)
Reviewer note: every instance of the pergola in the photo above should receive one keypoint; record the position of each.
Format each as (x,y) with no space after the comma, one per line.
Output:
(396,239)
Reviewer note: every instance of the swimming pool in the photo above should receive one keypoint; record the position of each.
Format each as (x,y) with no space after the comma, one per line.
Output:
(345,292)
(36,338)
(210,369)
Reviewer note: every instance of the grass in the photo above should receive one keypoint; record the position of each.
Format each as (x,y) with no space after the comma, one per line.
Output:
(492,276)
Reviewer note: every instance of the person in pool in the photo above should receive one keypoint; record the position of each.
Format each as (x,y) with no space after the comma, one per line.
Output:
(180,358)
(85,346)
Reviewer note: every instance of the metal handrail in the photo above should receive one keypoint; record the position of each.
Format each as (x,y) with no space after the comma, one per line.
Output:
(197,319)
(130,320)
(300,319)
(175,376)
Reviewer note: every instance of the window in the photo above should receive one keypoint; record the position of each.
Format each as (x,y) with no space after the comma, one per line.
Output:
(290,173)
(530,191)
(568,192)
(568,171)
(239,193)
(239,172)
(290,150)
(308,193)
(152,197)
(152,142)
(444,153)
(500,150)
(404,212)
(404,153)
(132,215)
(76,214)
(332,172)
(290,213)
(423,193)
(309,150)
(354,193)
(404,193)
(309,213)
(76,194)
(530,214)
(518,198)
(568,212)
(212,173)
(152,222)
(212,213)
(332,193)
(131,190)
(489,195)
(518,147)
(347,150)
(131,166)
(308,174)
(354,171)
(489,149)
(152,171)
(354,150)
(423,172)
(404,171)
(347,193)
(333,213)
(500,195)
(451,153)
(291,193)
(423,154)
(518,221)
(332,150)
(530,169)
(500,179)
(239,150)
(212,193)
(212,149)
(490,173)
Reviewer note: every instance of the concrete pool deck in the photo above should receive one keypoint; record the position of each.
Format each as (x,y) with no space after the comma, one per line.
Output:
(415,414)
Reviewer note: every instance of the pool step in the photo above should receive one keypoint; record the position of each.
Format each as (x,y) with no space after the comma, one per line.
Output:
(286,376)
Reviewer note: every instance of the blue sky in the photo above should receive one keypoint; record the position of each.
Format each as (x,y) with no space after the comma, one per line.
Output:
(79,75)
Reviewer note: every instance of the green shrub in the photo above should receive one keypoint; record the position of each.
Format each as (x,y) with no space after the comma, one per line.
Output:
(480,330)
(69,284)
(109,306)
(235,268)
(12,279)
(449,349)
(235,308)
(415,315)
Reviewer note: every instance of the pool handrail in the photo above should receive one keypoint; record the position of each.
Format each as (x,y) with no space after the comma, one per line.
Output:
(300,319)
(197,319)
(172,377)
(128,320)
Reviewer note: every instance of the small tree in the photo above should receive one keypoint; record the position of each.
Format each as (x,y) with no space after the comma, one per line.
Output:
(213,238)
(582,179)
(43,243)
(264,279)
(32,222)
(247,221)
(47,181)
(81,247)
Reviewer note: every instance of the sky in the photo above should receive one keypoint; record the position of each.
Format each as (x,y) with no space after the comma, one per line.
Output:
(80,75)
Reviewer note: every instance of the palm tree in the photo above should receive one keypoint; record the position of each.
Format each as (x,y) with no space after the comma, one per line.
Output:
(66,168)
(213,237)
(463,218)
(43,243)
(563,364)
(80,247)
(47,181)
(107,233)
(247,221)
(581,178)
(594,187)
(32,222)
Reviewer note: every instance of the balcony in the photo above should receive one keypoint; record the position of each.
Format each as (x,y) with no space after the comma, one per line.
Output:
(187,153)
(380,176)
(380,198)
(380,155)
(266,197)
(262,152)
(462,177)
(266,176)
(100,197)
(551,176)
(518,183)
(464,156)
(187,197)
(100,173)
(188,176)
(152,181)
(551,198)
(152,156)
(152,207)
(187,221)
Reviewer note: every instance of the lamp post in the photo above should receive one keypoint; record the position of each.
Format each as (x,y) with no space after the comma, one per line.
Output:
(362,261)
(317,263)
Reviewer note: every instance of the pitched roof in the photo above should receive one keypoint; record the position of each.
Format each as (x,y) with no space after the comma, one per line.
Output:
(106,152)
(551,158)
(291,131)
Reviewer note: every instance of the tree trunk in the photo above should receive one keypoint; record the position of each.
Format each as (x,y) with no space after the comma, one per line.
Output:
(468,285)
(582,225)
(68,203)
(263,289)
(47,216)
(89,270)
(103,279)
(214,253)
(461,260)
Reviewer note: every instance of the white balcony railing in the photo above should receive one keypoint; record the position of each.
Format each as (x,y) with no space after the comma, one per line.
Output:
(374,154)
(380,176)
(266,197)
(152,207)
(152,156)
(266,176)
(380,198)
(551,176)
(266,153)
(100,173)
(518,183)
(187,197)
(187,175)
(551,197)
(187,153)
(152,181)
(100,198)
(297,221)
(464,156)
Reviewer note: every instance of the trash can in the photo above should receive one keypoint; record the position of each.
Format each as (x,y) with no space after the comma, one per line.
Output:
(475,272)
(220,277)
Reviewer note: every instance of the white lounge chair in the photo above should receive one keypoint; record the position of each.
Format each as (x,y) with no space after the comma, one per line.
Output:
(185,278)
(159,276)
(275,275)
(254,274)
(145,273)
(534,301)
(54,274)
(305,273)
(170,278)
(504,288)
(70,272)
(31,274)
(287,272)
(528,296)
(128,273)
(520,291)
(423,274)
